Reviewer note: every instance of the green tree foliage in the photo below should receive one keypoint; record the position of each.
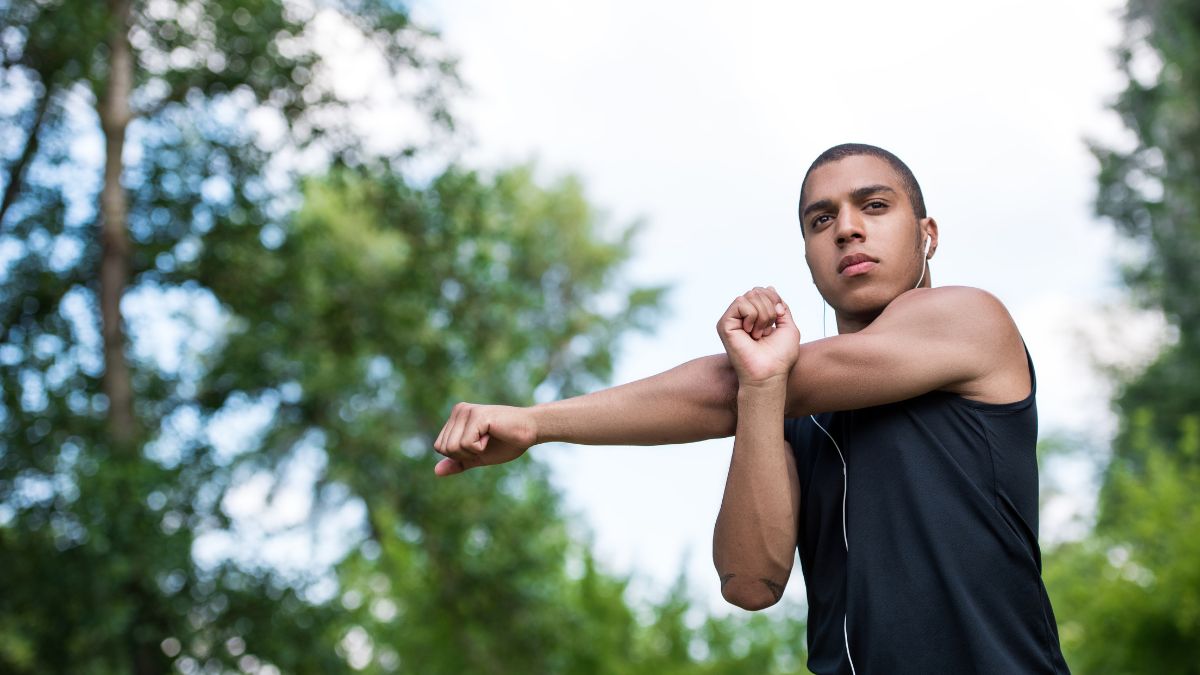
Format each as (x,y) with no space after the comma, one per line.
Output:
(350,310)
(96,538)
(1128,596)
(384,306)
(1150,192)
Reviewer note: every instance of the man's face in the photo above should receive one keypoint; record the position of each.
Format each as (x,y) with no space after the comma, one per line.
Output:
(863,243)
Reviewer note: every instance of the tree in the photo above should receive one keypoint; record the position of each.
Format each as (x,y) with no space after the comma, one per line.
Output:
(1150,194)
(1127,595)
(96,536)
(385,304)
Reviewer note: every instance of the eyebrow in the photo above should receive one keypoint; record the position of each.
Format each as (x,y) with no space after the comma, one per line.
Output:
(858,194)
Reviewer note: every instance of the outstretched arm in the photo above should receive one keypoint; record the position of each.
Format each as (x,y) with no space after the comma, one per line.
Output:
(960,340)
(691,402)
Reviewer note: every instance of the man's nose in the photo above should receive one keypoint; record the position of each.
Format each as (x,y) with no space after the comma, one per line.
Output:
(849,226)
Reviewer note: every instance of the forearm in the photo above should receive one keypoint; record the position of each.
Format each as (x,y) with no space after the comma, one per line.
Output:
(691,402)
(755,536)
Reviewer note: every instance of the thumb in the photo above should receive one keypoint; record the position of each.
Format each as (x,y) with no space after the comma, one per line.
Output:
(448,467)
(783,315)
(781,312)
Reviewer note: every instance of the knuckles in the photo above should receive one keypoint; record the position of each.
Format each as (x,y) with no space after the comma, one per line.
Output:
(754,308)
(460,416)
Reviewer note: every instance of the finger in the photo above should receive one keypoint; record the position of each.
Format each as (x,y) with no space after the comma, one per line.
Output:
(764,309)
(439,442)
(454,439)
(773,294)
(482,442)
(765,299)
(444,435)
(477,424)
(754,329)
(767,331)
(730,320)
(448,467)
(475,427)
(748,313)
(784,315)
(734,317)
(767,313)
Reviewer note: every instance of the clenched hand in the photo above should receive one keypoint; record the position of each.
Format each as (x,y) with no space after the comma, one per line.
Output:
(480,435)
(760,336)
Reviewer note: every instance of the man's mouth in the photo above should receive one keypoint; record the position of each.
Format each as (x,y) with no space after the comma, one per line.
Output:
(856,264)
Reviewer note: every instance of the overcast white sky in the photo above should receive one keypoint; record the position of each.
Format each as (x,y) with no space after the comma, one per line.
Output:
(701,118)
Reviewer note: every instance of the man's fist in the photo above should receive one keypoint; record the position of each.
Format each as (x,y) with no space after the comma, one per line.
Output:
(479,435)
(760,336)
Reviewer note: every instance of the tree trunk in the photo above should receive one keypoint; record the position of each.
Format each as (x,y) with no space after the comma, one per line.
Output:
(145,628)
(115,115)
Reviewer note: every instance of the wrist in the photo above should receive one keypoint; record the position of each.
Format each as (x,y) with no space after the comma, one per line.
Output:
(541,418)
(761,392)
(763,384)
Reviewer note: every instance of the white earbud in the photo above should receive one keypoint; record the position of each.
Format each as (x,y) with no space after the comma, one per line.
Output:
(928,242)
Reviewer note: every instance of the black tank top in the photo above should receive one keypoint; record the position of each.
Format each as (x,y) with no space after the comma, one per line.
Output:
(943,571)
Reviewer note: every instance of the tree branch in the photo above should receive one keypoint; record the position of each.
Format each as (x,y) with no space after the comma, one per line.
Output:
(16,170)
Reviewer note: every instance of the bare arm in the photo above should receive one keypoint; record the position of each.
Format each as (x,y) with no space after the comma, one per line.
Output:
(754,541)
(956,339)
(691,402)
(694,401)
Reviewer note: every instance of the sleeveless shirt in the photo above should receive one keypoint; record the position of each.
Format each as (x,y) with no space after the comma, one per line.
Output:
(940,571)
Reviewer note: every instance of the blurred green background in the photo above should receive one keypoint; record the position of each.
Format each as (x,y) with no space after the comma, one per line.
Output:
(332,297)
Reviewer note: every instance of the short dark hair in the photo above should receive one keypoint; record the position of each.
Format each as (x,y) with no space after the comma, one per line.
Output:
(911,187)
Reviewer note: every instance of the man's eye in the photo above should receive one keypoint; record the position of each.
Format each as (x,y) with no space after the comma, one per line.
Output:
(876,205)
(820,220)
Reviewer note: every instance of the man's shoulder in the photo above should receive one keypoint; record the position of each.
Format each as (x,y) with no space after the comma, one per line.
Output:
(950,298)
(961,308)
(964,334)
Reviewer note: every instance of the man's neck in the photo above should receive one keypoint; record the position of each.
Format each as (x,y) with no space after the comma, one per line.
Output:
(847,325)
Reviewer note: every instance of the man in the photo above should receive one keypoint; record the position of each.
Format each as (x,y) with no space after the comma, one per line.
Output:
(905,470)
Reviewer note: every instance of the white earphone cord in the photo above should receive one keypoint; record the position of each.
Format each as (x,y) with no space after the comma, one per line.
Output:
(845,537)
(924,261)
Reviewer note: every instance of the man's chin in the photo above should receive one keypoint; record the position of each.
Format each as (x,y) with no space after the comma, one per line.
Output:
(862,305)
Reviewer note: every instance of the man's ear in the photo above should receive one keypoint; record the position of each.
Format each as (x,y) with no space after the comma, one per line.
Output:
(930,227)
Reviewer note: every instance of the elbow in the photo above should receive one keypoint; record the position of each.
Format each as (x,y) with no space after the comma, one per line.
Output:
(752,596)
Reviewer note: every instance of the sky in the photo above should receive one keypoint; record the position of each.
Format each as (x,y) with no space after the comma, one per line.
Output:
(700,118)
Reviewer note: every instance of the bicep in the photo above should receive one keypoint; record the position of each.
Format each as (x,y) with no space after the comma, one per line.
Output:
(916,346)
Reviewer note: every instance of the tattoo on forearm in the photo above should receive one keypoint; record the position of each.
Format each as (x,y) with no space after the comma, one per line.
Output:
(725,579)
(775,588)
